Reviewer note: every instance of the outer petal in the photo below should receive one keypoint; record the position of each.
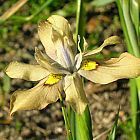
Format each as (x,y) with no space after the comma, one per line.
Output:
(126,66)
(113,40)
(36,98)
(45,32)
(60,23)
(48,63)
(75,94)
(26,71)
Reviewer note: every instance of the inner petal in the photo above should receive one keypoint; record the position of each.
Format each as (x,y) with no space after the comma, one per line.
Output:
(88,65)
(64,53)
(53,79)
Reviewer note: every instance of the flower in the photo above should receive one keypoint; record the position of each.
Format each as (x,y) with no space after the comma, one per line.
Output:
(61,68)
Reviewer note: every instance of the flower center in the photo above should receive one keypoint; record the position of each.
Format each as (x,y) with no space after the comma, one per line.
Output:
(89,65)
(53,79)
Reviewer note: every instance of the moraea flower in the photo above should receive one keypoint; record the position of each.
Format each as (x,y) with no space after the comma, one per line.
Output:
(61,68)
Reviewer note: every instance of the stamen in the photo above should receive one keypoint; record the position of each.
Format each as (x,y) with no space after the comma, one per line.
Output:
(89,65)
(53,79)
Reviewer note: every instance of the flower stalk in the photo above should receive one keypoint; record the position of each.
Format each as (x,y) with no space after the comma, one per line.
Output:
(83,125)
(80,22)
(66,119)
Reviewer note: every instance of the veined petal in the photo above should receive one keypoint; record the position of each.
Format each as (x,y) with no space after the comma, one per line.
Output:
(113,40)
(26,71)
(46,33)
(61,24)
(48,63)
(64,53)
(36,98)
(75,94)
(126,66)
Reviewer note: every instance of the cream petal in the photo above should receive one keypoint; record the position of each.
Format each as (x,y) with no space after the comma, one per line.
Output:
(64,53)
(59,23)
(36,98)
(113,40)
(48,63)
(78,60)
(46,33)
(26,71)
(126,66)
(75,94)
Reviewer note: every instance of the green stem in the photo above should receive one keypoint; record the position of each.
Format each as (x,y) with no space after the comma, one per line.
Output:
(80,21)
(71,115)
(133,96)
(66,119)
(83,126)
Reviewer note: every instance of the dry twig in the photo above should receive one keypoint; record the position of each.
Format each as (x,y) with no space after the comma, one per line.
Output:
(13,10)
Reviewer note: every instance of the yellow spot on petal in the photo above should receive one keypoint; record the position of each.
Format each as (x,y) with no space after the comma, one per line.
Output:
(89,65)
(53,79)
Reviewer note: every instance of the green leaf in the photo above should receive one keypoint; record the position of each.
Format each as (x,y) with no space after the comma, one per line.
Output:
(134,102)
(138,87)
(84,126)
(6,84)
(99,3)
(132,46)
(112,134)
(130,27)
(134,11)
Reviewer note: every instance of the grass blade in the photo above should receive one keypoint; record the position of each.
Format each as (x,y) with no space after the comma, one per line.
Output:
(99,3)
(134,11)
(130,28)
(112,134)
